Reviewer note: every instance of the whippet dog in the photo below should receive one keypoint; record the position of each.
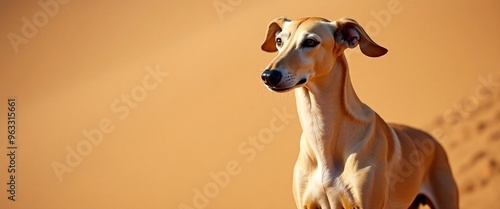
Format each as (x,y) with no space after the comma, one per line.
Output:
(349,156)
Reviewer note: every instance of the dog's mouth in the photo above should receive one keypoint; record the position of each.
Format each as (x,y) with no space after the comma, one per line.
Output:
(281,90)
(302,81)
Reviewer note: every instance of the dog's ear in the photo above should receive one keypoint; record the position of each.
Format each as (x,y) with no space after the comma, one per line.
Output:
(349,34)
(274,28)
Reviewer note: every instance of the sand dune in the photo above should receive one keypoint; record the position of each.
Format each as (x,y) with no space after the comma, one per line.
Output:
(471,137)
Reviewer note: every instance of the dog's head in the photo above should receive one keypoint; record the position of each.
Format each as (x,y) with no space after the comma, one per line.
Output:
(309,47)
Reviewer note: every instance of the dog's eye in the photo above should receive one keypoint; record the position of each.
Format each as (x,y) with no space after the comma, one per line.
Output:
(279,42)
(310,43)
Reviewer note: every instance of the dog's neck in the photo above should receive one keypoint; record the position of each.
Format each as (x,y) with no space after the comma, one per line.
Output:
(330,112)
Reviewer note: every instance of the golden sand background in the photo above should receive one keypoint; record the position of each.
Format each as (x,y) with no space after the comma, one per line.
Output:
(206,111)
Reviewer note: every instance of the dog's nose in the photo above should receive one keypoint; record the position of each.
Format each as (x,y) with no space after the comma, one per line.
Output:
(271,77)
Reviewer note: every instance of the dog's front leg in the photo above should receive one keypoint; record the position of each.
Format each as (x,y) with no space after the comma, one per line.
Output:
(362,184)
(300,180)
(375,188)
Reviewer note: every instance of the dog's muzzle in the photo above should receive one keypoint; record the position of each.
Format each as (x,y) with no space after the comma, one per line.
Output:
(271,77)
(276,81)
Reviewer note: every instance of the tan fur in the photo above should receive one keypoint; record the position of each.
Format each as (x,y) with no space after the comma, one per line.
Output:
(349,156)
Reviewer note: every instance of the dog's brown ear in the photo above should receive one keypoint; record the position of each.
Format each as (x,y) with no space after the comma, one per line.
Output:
(349,33)
(274,28)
